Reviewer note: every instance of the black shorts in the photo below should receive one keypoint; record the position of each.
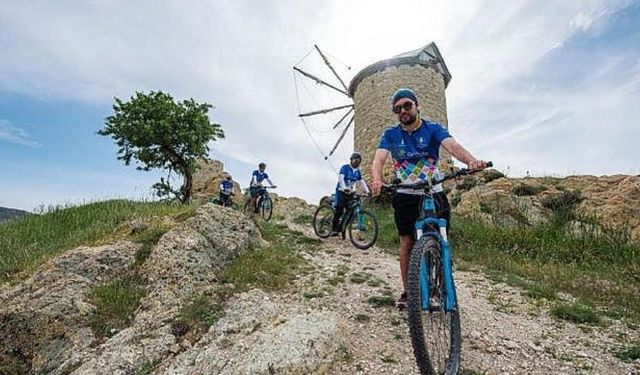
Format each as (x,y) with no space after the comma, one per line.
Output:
(407,211)
(254,191)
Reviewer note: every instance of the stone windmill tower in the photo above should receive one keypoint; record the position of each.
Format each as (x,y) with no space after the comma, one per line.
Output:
(423,70)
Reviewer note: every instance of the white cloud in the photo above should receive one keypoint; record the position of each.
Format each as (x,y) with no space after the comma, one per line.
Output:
(13,134)
(238,55)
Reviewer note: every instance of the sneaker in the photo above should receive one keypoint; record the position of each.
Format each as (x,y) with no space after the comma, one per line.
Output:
(401,303)
(334,233)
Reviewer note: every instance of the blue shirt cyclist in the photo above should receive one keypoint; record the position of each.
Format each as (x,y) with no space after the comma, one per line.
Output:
(349,177)
(411,143)
(256,187)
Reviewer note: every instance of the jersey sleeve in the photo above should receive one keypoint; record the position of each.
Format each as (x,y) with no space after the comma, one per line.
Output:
(363,186)
(344,170)
(385,140)
(440,133)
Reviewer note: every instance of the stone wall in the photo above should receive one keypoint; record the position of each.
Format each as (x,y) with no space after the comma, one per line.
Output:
(372,99)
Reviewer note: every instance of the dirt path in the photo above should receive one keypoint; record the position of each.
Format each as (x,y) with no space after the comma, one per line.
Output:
(503,331)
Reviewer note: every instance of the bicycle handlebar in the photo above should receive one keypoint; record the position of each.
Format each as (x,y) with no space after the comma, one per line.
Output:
(421,185)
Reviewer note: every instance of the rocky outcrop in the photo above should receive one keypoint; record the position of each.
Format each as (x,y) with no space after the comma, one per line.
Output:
(206,180)
(261,335)
(44,321)
(291,208)
(612,201)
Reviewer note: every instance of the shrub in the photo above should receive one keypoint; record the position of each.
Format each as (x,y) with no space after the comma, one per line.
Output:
(491,174)
(567,200)
(527,190)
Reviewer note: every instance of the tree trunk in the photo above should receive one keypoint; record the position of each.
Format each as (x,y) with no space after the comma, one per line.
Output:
(187,185)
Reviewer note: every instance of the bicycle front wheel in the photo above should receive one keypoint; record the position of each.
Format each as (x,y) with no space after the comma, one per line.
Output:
(266,208)
(435,332)
(248,208)
(363,230)
(323,221)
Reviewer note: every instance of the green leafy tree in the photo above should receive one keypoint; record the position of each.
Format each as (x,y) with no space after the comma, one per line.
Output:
(161,133)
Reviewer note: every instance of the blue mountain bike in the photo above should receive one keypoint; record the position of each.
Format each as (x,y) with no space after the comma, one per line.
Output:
(264,204)
(360,224)
(432,305)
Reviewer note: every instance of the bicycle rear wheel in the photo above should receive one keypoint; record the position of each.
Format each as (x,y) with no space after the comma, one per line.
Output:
(266,208)
(435,333)
(363,230)
(323,221)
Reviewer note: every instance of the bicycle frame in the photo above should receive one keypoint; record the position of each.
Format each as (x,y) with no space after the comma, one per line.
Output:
(424,227)
(354,208)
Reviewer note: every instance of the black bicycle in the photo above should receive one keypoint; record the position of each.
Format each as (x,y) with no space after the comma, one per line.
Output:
(361,224)
(226,203)
(433,315)
(264,204)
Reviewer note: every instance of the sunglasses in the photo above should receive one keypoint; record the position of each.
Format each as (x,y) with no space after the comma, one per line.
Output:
(406,106)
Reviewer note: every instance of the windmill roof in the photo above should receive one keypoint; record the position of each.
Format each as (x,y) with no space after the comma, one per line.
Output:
(428,56)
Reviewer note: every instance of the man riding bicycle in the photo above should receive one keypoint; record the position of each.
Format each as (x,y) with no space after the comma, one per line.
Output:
(226,191)
(349,176)
(411,144)
(255,187)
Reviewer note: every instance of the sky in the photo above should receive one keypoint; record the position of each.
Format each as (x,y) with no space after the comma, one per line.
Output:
(540,87)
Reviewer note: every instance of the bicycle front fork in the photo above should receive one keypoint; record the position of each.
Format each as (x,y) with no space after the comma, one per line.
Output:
(428,272)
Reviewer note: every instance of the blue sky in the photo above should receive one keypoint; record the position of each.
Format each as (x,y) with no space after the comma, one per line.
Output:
(545,87)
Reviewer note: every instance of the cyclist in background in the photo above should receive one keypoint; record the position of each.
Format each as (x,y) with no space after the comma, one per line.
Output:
(226,191)
(255,187)
(350,175)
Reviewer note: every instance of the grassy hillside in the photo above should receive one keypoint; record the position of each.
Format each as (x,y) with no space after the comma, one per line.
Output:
(28,241)
(601,269)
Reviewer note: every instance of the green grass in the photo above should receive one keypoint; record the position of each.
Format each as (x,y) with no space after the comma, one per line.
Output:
(388,234)
(381,301)
(148,367)
(148,238)
(27,242)
(388,359)
(304,219)
(200,312)
(359,277)
(273,267)
(576,313)
(629,353)
(116,302)
(598,269)
(538,291)
(601,268)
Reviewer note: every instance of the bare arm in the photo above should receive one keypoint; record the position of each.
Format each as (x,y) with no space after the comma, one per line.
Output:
(378,164)
(462,154)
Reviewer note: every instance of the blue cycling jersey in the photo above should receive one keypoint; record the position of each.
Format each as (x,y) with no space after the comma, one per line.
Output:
(410,150)
(259,176)
(226,184)
(351,175)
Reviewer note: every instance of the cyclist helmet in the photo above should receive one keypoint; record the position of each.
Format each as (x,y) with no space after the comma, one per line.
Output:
(356,155)
(262,165)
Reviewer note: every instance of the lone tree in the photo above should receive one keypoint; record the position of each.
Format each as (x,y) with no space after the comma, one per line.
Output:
(161,133)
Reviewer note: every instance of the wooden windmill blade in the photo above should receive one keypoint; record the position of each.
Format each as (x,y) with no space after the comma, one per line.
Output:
(341,88)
